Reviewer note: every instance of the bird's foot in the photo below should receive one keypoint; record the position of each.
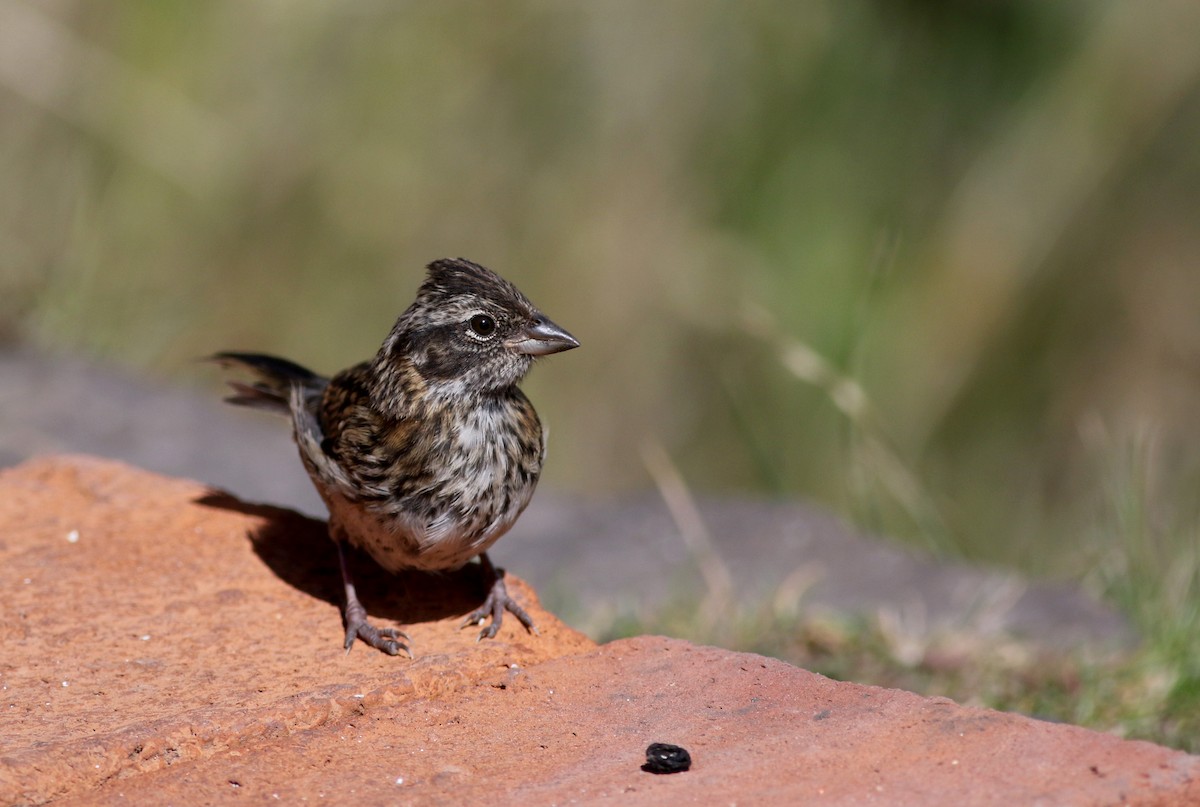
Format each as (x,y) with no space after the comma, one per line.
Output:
(498,601)
(390,640)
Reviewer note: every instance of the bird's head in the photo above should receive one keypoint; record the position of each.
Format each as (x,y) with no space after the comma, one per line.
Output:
(470,331)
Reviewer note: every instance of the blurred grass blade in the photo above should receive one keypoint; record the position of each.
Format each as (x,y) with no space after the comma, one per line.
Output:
(873,455)
(718,598)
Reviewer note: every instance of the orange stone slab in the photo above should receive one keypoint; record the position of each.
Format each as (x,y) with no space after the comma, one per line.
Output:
(574,731)
(164,644)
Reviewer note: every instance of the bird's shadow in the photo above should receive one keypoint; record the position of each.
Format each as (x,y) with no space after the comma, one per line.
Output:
(300,553)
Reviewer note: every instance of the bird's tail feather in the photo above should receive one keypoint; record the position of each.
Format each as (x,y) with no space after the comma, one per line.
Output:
(274,379)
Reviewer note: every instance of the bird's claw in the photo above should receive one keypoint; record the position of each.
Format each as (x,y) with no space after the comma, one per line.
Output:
(392,641)
(494,606)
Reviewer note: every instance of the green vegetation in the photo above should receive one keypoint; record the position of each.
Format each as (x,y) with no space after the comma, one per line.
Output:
(934,264)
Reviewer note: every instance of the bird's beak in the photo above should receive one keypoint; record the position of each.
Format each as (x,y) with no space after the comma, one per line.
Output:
(541,338)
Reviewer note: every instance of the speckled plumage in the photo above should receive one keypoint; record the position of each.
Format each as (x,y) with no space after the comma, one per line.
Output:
(428,453)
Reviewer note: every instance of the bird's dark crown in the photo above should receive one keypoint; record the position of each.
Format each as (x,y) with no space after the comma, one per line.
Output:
(458,277)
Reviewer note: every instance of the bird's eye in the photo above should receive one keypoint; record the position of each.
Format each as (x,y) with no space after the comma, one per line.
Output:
(483,325)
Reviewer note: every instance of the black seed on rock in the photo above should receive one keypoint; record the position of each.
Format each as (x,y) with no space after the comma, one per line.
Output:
(666,758)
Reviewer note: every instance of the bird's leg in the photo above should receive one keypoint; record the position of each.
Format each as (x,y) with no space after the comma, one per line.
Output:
(357,626)
(496,604)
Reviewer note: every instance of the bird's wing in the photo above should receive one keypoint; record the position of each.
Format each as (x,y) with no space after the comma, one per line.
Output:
(371,453)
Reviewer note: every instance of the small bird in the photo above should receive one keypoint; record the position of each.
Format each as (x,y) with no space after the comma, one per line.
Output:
(426,454)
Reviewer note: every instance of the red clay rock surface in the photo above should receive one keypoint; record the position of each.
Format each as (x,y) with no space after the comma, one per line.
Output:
(164,643)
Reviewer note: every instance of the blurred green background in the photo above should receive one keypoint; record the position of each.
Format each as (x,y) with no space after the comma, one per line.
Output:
(936,264)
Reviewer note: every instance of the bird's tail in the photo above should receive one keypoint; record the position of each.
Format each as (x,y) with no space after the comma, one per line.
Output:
(274,380)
